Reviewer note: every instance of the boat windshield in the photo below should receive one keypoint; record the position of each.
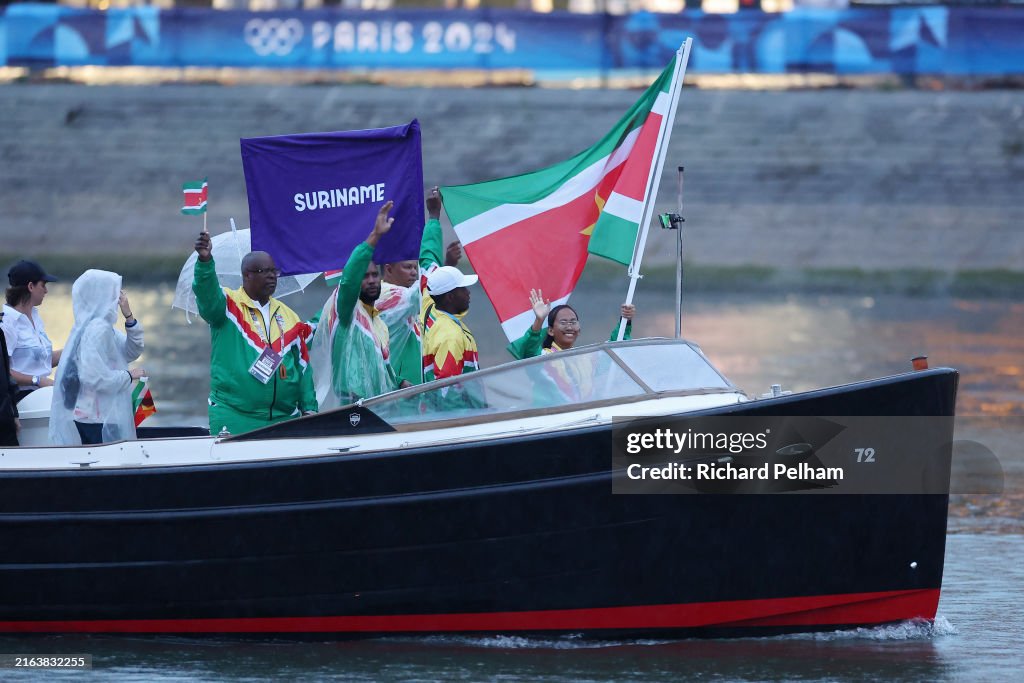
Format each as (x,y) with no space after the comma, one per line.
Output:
(591,374)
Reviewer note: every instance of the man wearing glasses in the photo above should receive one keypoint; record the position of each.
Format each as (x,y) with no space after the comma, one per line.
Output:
(259,362)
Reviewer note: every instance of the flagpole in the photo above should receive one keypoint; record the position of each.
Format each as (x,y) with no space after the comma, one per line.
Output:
(679,257)
(678,74)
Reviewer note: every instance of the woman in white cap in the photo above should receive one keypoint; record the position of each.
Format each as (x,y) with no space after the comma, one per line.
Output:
(31,351)
(92,393)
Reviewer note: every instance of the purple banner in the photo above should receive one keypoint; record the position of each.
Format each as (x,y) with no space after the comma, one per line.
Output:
(314,197)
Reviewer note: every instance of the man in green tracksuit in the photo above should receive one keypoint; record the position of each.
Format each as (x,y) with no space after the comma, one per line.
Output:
(259,363)
(400,299)
(351,349)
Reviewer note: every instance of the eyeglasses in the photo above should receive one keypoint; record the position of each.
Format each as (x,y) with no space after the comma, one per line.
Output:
(568,324)
(276,272)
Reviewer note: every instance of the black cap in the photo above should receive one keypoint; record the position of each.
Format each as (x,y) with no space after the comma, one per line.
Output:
(24,272)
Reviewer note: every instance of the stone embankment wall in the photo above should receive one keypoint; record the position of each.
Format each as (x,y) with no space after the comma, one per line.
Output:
(792,180)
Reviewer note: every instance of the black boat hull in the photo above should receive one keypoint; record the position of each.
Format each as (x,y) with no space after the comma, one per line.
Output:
(519,535)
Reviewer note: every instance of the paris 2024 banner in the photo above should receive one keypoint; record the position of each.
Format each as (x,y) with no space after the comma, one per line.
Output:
(955,41)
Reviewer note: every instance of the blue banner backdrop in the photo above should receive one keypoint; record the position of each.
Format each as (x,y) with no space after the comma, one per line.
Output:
(959,41)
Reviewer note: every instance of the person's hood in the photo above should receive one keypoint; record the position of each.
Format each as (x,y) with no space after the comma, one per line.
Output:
(95,295)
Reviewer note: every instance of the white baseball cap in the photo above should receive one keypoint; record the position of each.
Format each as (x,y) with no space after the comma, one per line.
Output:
(447,278)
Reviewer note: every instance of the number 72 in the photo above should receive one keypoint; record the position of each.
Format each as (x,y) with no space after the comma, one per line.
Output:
(865,454)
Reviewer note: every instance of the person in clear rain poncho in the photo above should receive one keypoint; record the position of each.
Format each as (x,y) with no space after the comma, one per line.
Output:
(350,352)
(92,392)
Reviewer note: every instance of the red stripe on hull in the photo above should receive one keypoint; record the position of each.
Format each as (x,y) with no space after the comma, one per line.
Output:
(824,610)
(916,604)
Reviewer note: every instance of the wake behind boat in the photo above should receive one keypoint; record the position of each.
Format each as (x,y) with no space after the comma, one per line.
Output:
(488,503)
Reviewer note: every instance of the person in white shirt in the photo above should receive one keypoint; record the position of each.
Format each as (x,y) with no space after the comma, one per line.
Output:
(31,351)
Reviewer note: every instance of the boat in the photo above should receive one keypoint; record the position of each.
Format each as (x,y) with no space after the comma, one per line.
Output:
(495,503)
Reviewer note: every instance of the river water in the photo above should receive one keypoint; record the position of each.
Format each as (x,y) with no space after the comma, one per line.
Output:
(799,341)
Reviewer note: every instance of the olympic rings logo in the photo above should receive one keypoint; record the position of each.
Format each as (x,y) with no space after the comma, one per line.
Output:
(273,36)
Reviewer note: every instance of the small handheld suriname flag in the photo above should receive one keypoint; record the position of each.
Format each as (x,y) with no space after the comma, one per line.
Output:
(332,277)
(142,401)
(195,197)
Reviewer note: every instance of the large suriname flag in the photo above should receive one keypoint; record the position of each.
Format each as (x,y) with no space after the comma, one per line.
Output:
(533,231)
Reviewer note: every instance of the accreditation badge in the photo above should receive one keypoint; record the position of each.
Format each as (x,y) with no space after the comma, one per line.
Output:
(265,366)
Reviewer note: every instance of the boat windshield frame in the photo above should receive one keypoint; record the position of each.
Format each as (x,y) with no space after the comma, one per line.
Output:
(608,348)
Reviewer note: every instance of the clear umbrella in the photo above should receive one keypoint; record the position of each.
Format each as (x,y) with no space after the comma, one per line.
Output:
(228,248)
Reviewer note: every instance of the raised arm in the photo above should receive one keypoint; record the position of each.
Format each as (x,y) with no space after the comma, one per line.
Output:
(626,311)
(210,297)
(530,344)
(133,342)
(430,246)
(354,271)
(382,224)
